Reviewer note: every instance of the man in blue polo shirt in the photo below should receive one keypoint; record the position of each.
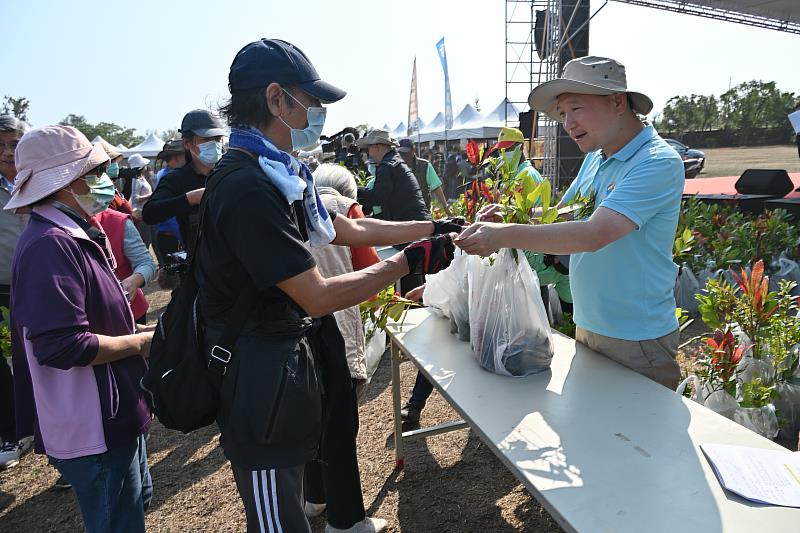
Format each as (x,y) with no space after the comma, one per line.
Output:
(621,271)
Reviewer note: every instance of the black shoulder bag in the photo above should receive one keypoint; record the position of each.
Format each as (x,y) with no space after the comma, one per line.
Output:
(183,381)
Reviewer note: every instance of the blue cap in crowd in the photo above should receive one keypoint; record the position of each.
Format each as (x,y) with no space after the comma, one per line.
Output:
(274,61)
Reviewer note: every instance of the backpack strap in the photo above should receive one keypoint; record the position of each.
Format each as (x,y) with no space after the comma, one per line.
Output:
(222,352)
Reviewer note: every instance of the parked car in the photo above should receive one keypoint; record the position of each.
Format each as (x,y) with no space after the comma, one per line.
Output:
(693,160)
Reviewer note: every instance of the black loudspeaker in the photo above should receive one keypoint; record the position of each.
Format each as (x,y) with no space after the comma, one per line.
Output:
(763,181)
(570,157)
(575,43)
(791,205)
(526,124)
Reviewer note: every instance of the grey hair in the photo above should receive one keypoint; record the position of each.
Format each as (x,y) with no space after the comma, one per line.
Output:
(10,123)
(336,177)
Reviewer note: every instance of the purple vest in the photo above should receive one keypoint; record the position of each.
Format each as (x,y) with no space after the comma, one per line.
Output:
(63,294)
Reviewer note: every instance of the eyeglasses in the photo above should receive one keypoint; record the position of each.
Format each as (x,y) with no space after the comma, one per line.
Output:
(11,146)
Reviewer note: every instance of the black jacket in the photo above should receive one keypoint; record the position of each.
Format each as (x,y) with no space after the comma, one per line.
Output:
(169,200)
(396,191)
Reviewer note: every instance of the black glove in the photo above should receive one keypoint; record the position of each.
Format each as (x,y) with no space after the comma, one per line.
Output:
(448,225)
(429,256)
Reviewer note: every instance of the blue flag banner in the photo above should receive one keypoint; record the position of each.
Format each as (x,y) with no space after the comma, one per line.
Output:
(448,106)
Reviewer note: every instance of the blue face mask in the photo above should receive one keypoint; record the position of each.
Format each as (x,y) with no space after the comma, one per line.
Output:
(101,192)
(308,136)
(113,170)
(210,152)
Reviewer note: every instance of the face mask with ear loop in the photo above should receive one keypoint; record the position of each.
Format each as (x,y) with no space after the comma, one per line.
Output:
(308,136)
(101,193)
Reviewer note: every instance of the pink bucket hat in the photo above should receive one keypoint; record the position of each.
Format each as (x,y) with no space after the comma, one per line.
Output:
(49,159)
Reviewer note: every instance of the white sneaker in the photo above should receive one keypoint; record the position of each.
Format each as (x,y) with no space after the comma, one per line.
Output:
(314,509)
(10,452)
(368,525)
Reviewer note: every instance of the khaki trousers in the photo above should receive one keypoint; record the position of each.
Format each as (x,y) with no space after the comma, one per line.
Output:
(654,358)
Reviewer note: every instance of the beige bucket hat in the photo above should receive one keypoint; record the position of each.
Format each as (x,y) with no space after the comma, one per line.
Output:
(587,75)
(376,137)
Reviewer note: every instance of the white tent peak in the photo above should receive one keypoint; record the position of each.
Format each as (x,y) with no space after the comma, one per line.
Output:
(150,147)
(98,139)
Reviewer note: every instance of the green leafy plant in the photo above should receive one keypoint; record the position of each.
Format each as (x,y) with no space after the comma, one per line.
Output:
(748,304)
(684,244)
(567,326)
(5,332)
(378,310)
(757,394)
(586,205)
(718,367)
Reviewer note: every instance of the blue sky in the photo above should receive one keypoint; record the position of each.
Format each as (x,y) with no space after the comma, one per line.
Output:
(144,64)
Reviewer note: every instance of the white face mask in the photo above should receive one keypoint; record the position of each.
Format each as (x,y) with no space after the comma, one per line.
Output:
(210,152)
(308,136)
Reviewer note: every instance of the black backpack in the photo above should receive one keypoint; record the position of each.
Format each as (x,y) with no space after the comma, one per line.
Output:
(184,376)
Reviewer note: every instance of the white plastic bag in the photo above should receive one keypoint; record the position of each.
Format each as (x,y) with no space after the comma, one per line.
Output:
(718,401)
(459,299)
(509,330)
(376,347)
(788,408)
(442,287)
(786,269)
(762,420)
(686,287)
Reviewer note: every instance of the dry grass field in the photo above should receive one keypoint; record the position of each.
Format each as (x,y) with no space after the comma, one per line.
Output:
(734,161)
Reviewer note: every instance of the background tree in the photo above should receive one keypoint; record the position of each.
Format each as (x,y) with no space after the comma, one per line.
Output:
(691,113)
(113,133)
(755,104)
(18,107)
(168,134)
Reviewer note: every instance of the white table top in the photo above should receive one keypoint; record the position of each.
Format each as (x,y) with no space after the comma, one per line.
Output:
(601,447)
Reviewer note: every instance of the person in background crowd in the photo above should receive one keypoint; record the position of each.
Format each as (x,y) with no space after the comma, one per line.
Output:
(429,182)
(167,235)
(256,222)
(119,203)
(334,481)
(621,271)
(140,193)
(179,192)
(397,194)
(78,359)
(396,191)
(11,227)
(134,266)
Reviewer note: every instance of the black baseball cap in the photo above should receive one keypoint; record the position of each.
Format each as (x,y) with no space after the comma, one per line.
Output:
(406,146)
(274,61)
(202,123)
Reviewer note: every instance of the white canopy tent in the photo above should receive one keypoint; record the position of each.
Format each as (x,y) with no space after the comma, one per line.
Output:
(470,124)
(150,147)
(400,131)
(97,139)
(121,147)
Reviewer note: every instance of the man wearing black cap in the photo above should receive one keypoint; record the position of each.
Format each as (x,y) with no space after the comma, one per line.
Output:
(429,182)
(178,193)
(260,208)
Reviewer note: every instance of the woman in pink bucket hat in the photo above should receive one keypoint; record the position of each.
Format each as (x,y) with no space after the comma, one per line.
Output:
(77,356)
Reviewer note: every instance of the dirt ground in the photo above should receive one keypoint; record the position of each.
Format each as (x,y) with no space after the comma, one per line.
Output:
(734,161)
(452,482)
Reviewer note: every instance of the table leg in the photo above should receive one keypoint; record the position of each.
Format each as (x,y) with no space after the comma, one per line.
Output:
(399,454)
